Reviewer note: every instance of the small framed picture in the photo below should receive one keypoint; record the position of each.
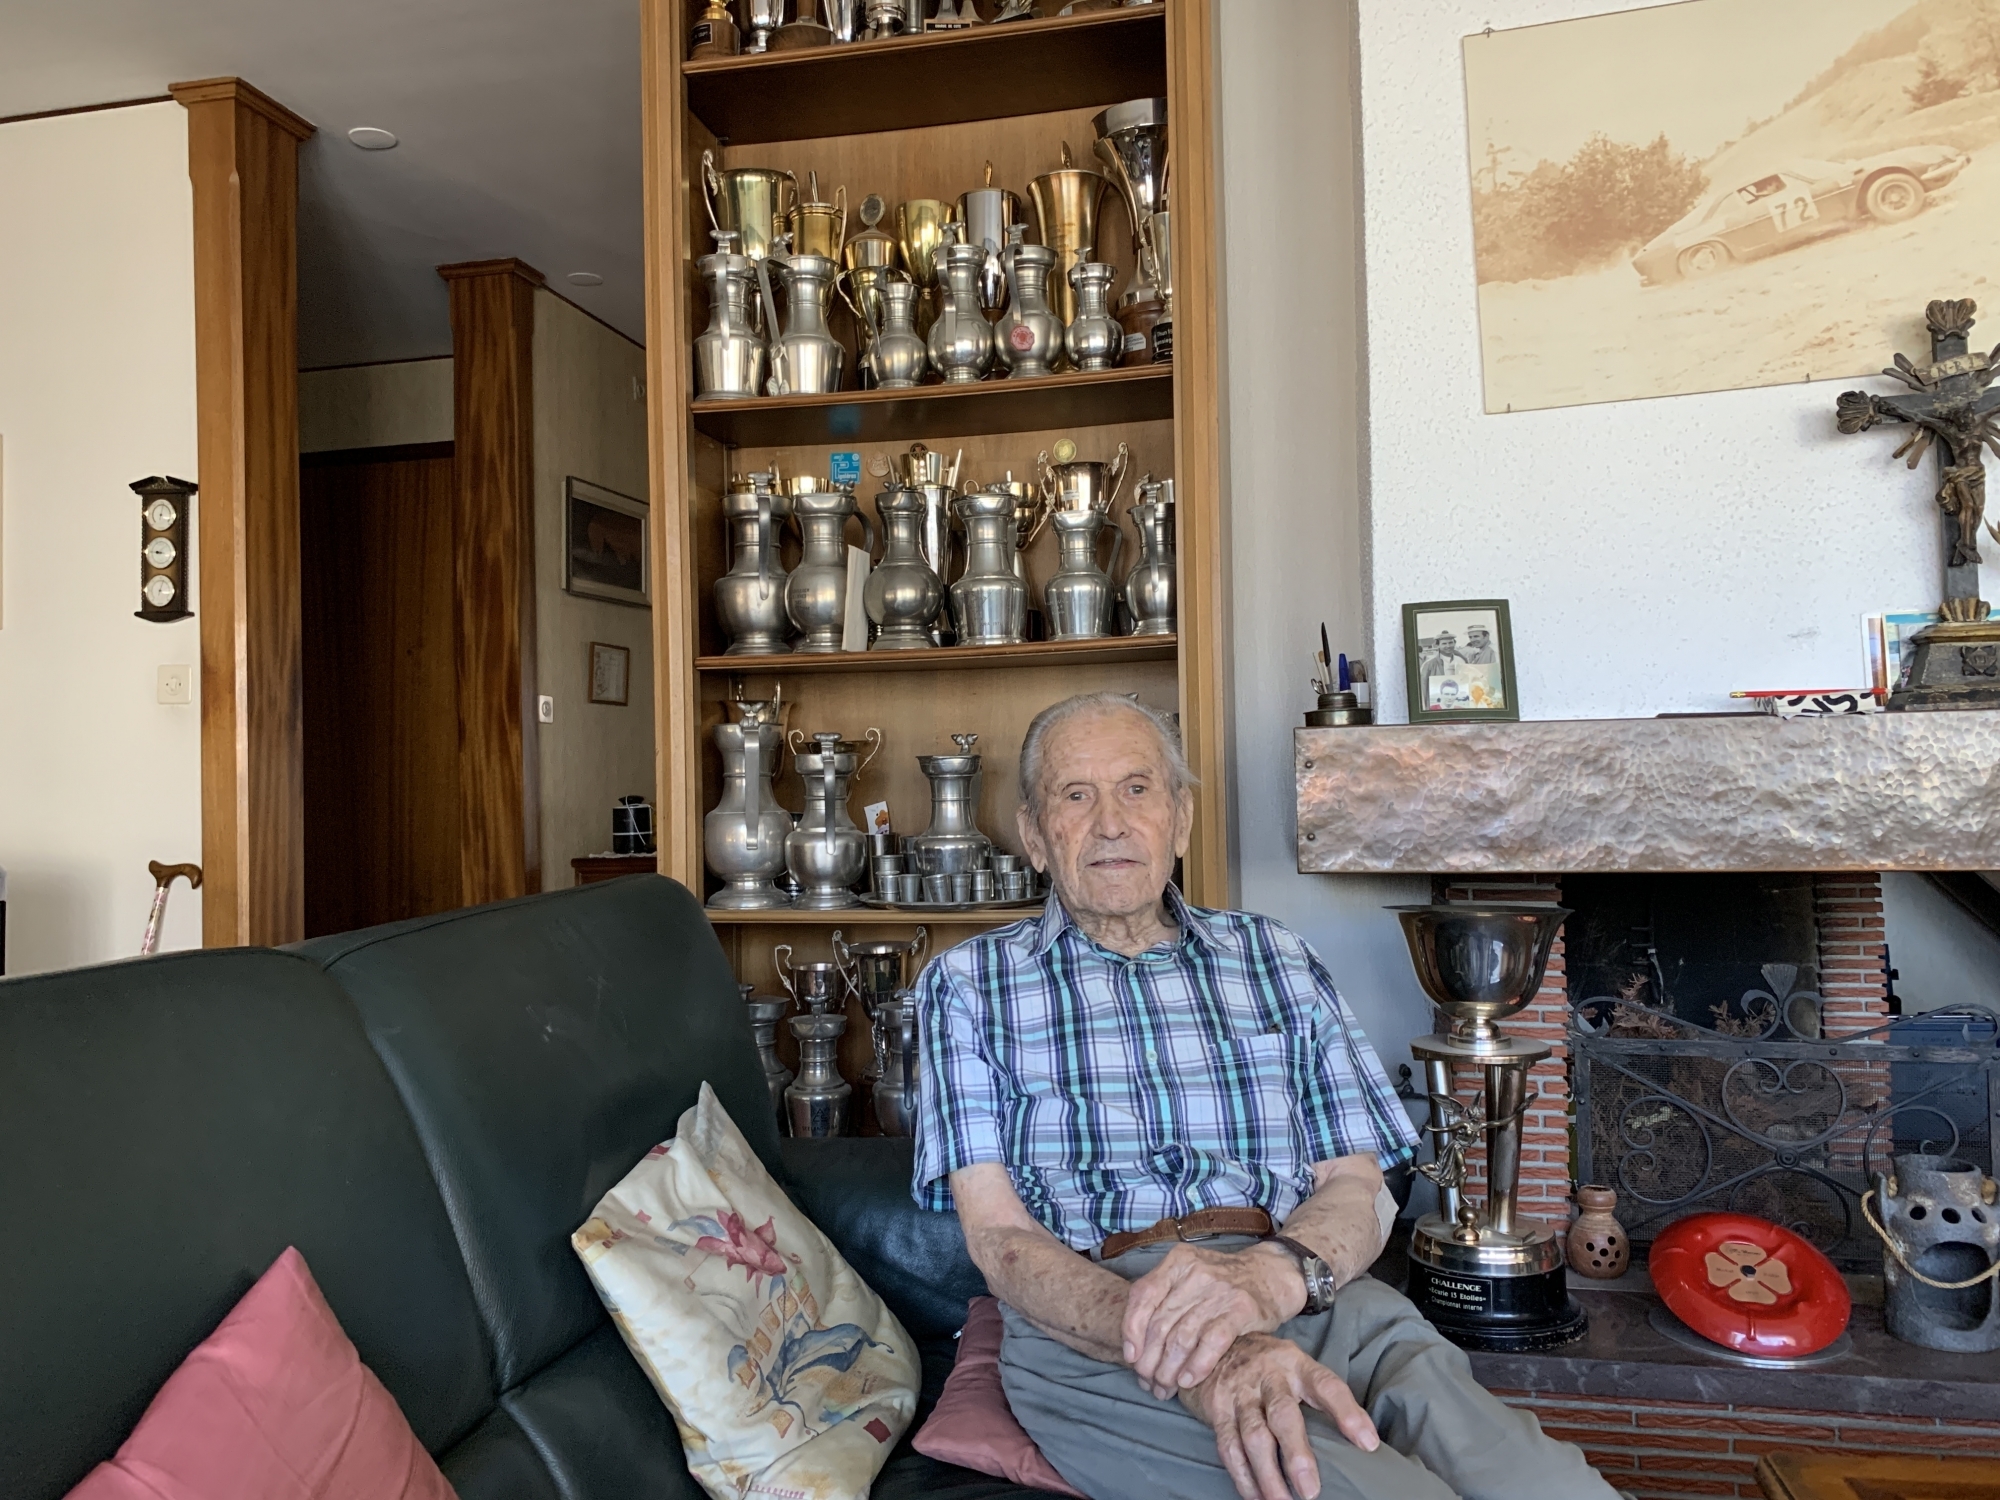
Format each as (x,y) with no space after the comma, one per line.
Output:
(610,673)
(604,545)
(1459,654)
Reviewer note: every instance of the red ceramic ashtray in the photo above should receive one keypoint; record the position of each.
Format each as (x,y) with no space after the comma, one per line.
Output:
(1749,1285)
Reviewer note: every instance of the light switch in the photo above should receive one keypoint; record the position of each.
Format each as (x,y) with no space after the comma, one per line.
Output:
(174,685)
(545,709)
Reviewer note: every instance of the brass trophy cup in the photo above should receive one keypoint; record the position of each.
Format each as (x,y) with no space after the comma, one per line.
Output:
(920,229)
(1485,1276)
(1067,202)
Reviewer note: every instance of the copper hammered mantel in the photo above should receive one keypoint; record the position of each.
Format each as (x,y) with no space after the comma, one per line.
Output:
(1871,792)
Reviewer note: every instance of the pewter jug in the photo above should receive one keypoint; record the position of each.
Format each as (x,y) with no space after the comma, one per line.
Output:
(744,834)
(750,597)
(904,593)
(989,601)
(1095,337)
(953,844)
(895,355)
(961,342)
(766,1011)
(827,852)
(817,1099)
(1078,599)
(816,593)
(729,355)
(807,359)
(895,1091)
(1150,586)
(1940,1228)
(1030,337)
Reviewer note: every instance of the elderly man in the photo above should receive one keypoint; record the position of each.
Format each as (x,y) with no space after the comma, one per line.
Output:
(1163,1133)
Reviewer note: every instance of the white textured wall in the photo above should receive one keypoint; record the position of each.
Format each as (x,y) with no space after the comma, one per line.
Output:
(1656,553)
(96,390)
(375,406)
(588,423)
(1298,469)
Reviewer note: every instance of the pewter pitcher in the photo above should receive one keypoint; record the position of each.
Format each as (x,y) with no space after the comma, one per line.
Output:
(1150,586)
(989,601)
(903,594)
(816,593)
(750,597)
(1094,338)
(766,1011)
(895,355)
(961,341)
(827,852)
(1078,599)
(807,359)
(817,1100)
(1029,339)
(952,844)
(895,1091)
(743,835)
(730,356)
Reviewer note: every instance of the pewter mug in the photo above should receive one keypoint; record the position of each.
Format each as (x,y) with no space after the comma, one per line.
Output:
(989,600)
(827,852)
(1150,586)
(730,354)
(817,1100)
(903,593)
(961,340)
(750,597)
(952,844)
(1029,338)
(743,835)
(816,593)
(1094,337)
(1078,599)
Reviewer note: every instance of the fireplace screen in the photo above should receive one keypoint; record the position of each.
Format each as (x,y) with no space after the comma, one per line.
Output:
(1762,1114)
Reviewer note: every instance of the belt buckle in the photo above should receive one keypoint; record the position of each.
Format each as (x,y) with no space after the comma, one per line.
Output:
(1181,1233)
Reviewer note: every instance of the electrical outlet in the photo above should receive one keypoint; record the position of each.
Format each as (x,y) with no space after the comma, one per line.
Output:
(175,685)
(545,709)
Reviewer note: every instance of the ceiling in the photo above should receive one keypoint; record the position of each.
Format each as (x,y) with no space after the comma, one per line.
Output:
(518,122)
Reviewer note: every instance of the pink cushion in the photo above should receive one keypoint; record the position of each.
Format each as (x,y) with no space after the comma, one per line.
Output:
(972,1426)
(274,1405)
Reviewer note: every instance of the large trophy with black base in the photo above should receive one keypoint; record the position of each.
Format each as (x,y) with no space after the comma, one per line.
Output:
(1484,1275)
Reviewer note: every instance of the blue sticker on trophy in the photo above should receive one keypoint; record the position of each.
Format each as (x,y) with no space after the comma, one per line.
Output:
(845,470)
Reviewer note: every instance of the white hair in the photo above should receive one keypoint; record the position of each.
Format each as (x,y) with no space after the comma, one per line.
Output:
(1179,777)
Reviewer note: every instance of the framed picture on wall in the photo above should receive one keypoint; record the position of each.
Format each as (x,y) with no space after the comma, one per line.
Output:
(610,673)
(605,545)
(1459,654)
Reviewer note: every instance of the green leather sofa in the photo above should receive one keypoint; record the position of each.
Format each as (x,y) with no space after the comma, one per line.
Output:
(426,1110)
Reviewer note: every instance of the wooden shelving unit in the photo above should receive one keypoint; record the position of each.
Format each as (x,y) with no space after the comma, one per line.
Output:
(920,117)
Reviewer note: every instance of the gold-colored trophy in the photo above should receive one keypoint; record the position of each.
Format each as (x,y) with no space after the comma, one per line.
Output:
(714,33)
(868,260)
(753,203)
(1067,202)
(920,229)
(818,228)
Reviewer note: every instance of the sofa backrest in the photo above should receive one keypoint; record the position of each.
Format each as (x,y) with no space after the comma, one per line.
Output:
(167,1127)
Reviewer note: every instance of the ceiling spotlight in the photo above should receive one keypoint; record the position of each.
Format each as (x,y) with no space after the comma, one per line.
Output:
(368,138)
(585,278)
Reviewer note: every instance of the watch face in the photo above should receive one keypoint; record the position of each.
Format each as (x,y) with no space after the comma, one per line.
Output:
(161,514)
(159,591)
(160,552)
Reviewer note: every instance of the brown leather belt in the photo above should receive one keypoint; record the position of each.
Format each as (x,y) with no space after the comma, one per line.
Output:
(1202,1224)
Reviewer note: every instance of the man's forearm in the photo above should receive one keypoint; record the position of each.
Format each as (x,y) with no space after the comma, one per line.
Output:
(1339,1222)
(1070,1298)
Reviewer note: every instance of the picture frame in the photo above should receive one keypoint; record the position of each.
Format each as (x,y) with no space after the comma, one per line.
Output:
(1458,658)
(606,545)
(610,673)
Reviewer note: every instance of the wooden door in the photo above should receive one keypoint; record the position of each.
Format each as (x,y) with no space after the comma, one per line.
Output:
(380,690)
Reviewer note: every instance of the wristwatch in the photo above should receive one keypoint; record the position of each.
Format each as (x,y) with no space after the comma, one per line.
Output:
(1318,1275)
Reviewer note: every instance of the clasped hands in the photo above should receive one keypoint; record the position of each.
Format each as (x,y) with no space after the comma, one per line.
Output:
(1199,1325)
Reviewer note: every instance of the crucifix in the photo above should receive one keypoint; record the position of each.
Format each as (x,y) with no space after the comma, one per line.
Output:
(1952,405)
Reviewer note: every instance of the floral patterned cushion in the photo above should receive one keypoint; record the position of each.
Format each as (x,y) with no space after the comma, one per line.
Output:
(786,1374)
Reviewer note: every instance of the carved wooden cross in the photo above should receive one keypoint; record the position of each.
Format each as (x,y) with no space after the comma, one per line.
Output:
(1949,402)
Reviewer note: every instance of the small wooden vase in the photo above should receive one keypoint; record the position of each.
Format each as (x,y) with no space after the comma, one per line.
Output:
(1597,1243)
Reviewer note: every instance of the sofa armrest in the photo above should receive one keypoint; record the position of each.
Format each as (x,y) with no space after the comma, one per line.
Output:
(858,1192)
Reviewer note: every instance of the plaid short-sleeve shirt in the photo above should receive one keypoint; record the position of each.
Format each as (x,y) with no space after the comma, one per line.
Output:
(1208,1072)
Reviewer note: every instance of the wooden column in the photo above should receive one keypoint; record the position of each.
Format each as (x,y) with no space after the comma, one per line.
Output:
(243,160)
(493,522)
(1201,422)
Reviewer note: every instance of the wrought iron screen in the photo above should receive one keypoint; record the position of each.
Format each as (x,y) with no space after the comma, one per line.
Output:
(1762,1114)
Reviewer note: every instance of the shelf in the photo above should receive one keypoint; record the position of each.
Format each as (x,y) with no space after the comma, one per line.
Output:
(1110,651)
(867,916)
(1144,393)
(935,78)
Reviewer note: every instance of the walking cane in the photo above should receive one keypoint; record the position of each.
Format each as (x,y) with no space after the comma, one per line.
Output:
(164,876)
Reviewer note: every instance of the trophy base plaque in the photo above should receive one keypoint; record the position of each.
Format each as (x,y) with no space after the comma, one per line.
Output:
(1955,665)
(1508,1293)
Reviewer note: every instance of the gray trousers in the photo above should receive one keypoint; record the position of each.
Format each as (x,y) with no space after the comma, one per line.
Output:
(1442,1434)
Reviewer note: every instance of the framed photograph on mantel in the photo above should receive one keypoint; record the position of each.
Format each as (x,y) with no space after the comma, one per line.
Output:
(604,544)
(1459,655)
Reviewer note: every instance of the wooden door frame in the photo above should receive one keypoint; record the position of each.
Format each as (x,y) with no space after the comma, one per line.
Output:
(243,163)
